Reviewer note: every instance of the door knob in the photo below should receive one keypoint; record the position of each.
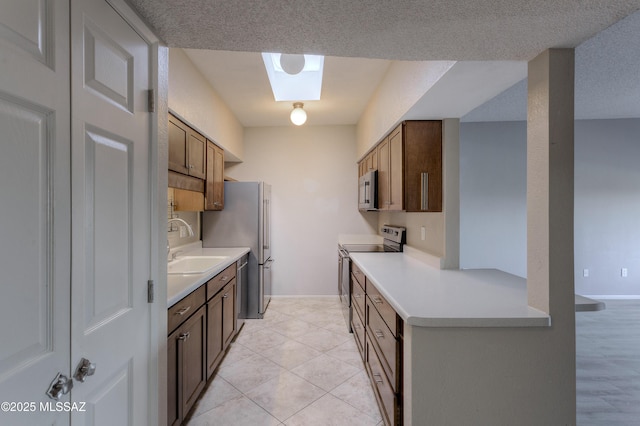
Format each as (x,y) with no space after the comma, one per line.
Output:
(84,369)
(61,385)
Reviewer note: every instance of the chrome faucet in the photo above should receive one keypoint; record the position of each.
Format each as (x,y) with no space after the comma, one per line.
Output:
(188,229)
(184,223)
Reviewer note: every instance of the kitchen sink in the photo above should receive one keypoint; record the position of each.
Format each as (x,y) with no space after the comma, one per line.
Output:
(194,264)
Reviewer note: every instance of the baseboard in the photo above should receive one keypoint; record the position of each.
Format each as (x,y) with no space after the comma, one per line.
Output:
(614,296)
(299,296)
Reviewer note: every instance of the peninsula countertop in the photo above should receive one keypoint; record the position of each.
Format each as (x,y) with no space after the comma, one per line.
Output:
(179,286)
(425,296)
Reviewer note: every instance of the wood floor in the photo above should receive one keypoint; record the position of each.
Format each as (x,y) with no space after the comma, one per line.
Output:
(608,365)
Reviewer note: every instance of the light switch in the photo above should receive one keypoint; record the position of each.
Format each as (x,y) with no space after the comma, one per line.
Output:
(585,273)
(624,272)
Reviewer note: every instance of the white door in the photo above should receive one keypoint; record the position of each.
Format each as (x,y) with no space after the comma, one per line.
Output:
(34,207)
(110,215)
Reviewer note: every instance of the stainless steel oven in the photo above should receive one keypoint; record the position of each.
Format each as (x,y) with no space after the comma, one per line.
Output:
(394,239)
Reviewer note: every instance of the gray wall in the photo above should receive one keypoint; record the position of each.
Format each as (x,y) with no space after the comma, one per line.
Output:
(607,201)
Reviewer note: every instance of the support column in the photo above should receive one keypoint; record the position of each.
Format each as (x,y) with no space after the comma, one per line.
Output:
(550,123)
(550,270)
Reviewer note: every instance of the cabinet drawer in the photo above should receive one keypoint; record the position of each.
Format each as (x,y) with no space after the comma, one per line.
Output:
(358,274)
(182,310)
(357,296)
(358,331)
(386,343)
(215,284)
(383,391)
(386,311)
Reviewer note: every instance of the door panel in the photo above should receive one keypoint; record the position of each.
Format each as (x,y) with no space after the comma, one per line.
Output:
(27,26)
(108,185)
(35,206)
(110,215)
(110,72)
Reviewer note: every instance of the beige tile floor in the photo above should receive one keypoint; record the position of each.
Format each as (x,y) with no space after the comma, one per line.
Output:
(297,366)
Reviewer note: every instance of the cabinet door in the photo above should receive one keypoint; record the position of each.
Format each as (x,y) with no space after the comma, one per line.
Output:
(215,177)
(228,312)
(396,163)
(373,164)
(178,136)
(383,175)
(214,333)
(174,392)
(423,154)
(197,151)
(192,338)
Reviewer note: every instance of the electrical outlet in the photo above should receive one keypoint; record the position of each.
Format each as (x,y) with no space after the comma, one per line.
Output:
(585,273)
(624,272)
(423,233)
(183,231)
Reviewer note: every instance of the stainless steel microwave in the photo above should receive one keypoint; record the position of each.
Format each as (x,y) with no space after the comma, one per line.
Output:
(368,191)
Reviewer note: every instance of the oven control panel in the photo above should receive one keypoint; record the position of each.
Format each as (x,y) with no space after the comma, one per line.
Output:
(394,233)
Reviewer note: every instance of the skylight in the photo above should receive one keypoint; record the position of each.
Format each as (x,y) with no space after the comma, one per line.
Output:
(304,86)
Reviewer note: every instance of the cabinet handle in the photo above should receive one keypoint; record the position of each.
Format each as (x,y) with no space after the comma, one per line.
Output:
(379,334)
(191,166)
(224,278)
(183,311)
(424,191)
(225,295)
(377,378)
(376,299)
(184,336)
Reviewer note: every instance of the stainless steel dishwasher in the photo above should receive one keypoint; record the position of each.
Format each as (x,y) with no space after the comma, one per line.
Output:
(242,281)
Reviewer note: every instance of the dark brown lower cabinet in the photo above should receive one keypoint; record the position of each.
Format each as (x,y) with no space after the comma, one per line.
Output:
(228,313)
(187,372)
(221,324)
(202,326)
(214,333)
(378,332)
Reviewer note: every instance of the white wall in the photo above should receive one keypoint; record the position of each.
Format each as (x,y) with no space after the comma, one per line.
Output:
(402,86)
(193,99)
(607,204)
(607,201)
(493,196)
(313,173)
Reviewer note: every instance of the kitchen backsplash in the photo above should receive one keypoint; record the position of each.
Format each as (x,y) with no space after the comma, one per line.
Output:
(173,229)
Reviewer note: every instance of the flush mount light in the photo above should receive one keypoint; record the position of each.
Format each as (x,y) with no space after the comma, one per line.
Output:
(298,115)
(292,64)
(289,84)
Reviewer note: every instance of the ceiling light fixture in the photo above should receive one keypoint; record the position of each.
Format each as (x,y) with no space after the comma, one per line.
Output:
(292,64)
(298,115)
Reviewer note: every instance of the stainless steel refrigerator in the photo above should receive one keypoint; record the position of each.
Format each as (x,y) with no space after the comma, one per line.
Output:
(245,221)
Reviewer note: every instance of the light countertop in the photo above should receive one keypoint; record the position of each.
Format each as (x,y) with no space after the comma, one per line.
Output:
(429,297)
(179,286)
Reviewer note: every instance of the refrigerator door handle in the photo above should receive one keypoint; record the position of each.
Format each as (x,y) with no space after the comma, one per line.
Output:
(268,263)
(267,224)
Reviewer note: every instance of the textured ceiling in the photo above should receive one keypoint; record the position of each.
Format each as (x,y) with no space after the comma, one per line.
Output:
(607,62)
(401,30)
(607,79)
